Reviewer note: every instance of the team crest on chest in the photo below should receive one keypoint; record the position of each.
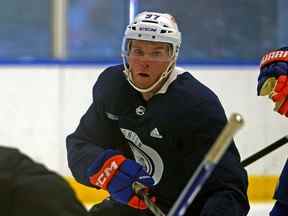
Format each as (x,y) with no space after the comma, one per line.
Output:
(140,110)
(145,155)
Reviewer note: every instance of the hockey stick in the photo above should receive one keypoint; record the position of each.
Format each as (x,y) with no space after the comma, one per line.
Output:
(203,171)
(277,144)
(139,189)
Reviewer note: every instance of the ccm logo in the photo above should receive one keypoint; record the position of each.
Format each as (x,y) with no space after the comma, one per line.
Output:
(106,174)
(107,171)
(147,29)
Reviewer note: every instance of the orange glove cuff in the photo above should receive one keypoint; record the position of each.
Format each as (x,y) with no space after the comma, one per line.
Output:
(103,177)
(136,202)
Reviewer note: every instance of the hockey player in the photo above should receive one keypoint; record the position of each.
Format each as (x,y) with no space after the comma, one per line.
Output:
(153,122)
(273,81)
(29,188)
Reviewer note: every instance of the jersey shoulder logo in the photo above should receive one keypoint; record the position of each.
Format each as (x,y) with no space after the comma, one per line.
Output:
(112,116)
(155,133)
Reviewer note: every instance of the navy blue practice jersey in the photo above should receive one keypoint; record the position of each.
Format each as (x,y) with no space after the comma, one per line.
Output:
(169,135)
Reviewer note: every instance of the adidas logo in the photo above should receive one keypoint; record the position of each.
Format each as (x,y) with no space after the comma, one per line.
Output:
(155,133)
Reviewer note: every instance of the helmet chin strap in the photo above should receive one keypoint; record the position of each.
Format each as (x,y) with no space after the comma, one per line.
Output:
(165,74)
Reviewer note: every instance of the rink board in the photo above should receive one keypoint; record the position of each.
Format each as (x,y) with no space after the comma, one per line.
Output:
(261,189)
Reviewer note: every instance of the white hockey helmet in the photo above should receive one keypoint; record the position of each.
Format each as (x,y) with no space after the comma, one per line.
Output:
(152,26)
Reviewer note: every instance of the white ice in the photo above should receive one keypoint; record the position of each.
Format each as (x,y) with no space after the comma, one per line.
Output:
(260,209)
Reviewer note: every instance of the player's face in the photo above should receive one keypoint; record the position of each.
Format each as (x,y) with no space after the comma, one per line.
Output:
(147,61)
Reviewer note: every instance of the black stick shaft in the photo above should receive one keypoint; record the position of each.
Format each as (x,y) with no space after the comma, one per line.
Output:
(251,159)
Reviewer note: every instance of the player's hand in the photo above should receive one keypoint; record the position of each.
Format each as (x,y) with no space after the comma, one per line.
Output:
(115,173)
(273,79)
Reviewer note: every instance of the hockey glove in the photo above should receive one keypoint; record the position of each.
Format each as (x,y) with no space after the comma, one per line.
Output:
(273,79)
(113,172)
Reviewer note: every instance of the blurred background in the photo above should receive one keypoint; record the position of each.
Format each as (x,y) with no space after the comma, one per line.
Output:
(52,51)
(214,32)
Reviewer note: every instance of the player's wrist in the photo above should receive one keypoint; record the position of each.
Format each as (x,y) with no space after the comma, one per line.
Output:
(270,71)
